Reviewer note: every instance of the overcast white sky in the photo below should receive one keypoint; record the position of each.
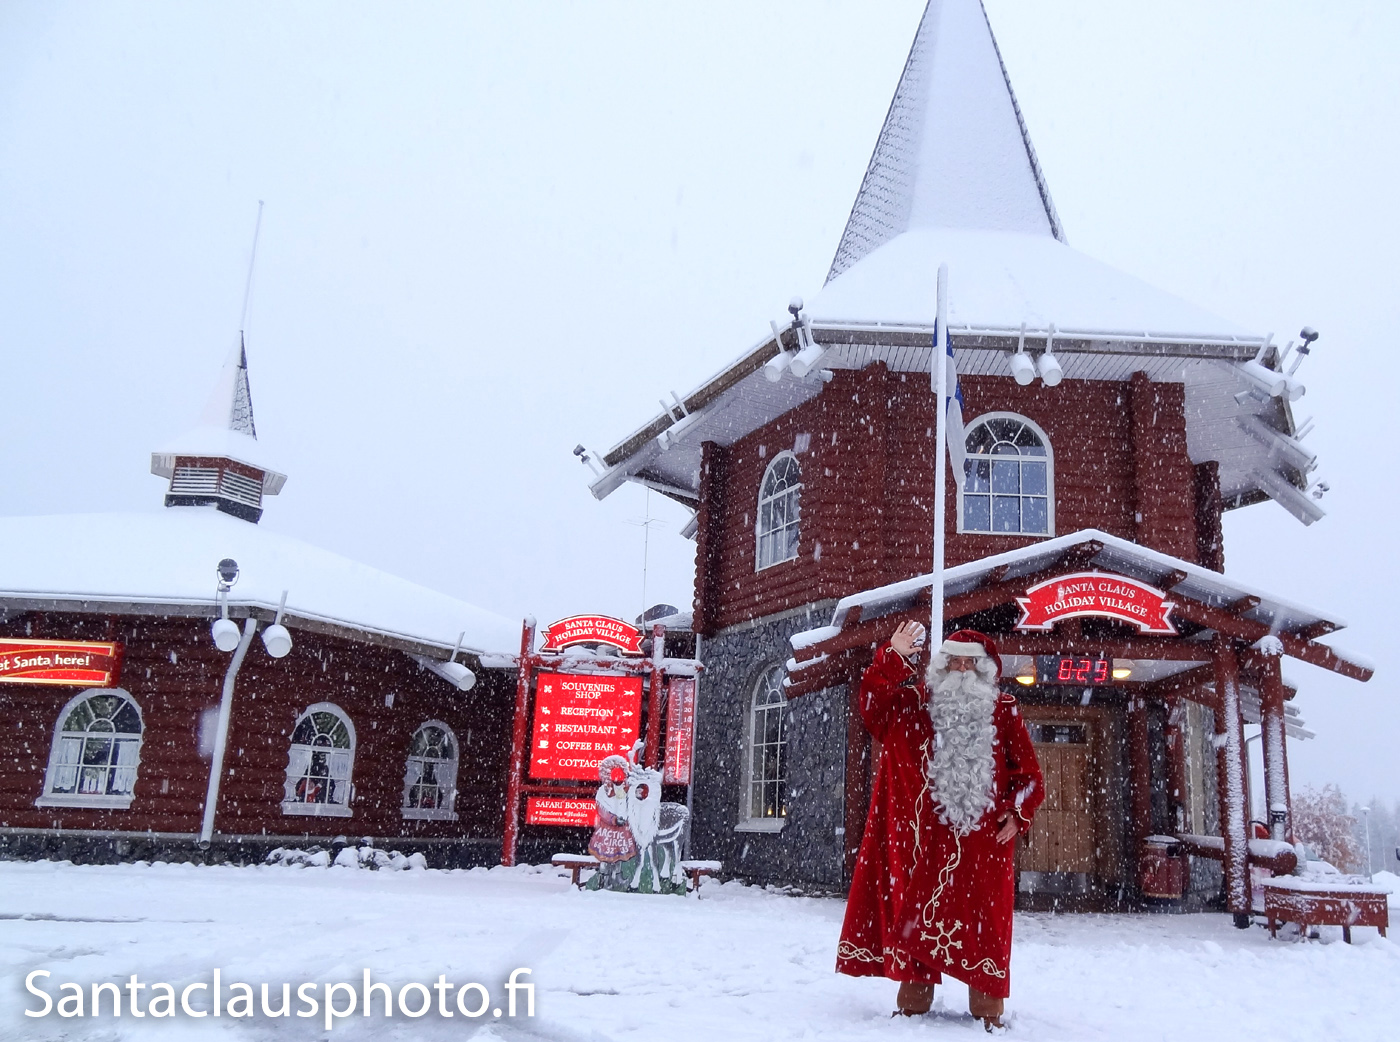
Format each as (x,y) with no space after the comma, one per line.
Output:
(493,231)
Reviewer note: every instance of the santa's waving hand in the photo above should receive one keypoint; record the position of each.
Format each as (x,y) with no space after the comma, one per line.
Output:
(958,781)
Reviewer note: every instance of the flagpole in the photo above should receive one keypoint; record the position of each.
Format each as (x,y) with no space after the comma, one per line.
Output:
(939,377)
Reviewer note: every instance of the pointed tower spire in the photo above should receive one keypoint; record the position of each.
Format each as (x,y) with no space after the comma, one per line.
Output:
(220,462)
(954,152)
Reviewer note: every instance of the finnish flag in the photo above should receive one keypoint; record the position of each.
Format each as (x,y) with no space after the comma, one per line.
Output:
(957,438)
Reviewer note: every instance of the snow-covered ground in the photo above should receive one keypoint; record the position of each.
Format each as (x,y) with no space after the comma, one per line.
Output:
(735,962)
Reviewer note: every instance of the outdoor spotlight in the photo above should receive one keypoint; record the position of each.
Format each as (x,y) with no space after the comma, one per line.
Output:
(1271,382)
(1122,672)
(1293,390)
(227,570)
(277,640)
(225,633)
(1022,368)
(1025,679)
(776,366)
(458,674)
(1050,370)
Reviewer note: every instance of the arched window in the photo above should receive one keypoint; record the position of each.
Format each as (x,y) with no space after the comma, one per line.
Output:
(779,496)
(96,750)
(319,762)
(430,782)
(765,795)
(1009,478)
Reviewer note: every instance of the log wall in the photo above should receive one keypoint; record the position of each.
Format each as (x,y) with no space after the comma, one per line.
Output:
(175,674)
(1120,465)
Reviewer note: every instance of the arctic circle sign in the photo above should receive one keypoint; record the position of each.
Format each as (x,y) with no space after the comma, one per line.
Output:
(1096,593)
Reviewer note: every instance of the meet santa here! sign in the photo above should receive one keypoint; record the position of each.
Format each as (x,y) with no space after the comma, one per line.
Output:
(65,663)
(579,719)
(1096,593)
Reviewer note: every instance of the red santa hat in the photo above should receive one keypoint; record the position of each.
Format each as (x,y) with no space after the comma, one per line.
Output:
(971,644)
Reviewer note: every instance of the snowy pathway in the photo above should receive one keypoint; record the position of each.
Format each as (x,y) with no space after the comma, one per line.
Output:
(736,963)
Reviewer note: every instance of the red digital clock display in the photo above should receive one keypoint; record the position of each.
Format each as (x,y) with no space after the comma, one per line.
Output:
(1078,670)
(1088,670)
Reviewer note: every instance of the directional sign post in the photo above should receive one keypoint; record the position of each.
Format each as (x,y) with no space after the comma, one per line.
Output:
(579,720)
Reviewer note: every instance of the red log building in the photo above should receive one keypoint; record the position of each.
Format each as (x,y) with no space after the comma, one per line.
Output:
(334,708)
(1108,426)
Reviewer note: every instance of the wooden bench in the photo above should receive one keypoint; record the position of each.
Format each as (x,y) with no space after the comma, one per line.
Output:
(576,863)
(1315,902)
(698,869)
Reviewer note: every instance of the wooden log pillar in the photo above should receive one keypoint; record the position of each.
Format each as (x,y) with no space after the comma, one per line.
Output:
(1139,773)
(1176,764)
(519,735)
(1275,742)
(1230,774)
(858,777)
(709,536)
(651,752)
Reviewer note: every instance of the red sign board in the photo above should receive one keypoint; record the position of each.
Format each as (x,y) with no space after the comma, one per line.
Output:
(580,719)
(593,629)
(63,662)
(680,730)
(549,810)
(1096,593)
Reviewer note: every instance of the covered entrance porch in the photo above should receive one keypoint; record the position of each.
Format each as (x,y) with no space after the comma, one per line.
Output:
(1137,673)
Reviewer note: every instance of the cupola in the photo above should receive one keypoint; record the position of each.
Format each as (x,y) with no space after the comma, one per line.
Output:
(220,463)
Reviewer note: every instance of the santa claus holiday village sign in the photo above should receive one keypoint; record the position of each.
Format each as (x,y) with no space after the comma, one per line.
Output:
(1096,593)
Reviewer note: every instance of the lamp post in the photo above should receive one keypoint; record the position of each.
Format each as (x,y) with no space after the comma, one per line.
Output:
(1366,814)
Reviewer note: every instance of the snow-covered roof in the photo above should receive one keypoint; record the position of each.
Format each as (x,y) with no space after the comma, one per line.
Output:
(999,280)
(954,151)
(1109,553)
(163,563)
(225,428)
(954,181)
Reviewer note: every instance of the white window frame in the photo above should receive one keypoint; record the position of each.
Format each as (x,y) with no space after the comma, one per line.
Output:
(768,681)
(447,778)
(1049,478)
(796,493)
(319,810)
(104,801)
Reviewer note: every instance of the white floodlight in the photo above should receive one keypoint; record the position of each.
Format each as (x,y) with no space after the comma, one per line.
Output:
(1051,372)
(277,640)
(1272,383)
(1022,368)
(225,633)
(775,367)
(458,674)
(811,353)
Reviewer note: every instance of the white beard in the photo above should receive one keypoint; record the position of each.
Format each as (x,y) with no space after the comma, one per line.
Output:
(960,773)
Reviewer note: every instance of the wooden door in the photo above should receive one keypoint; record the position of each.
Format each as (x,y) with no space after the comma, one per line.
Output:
(1062,838)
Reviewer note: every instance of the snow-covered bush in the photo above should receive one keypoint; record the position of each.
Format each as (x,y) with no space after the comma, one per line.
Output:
(349,857)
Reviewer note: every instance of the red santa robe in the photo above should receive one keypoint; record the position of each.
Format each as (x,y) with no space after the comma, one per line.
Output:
(926,899)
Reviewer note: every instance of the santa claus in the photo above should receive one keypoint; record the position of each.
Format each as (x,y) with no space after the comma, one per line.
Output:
(957,782)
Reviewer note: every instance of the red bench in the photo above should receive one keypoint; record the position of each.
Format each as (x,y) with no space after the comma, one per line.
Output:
(1314,902)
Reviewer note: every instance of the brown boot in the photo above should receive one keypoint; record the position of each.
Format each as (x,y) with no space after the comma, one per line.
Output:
(986,1009)
(913,999)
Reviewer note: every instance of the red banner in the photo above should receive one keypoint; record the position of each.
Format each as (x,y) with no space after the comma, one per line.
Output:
(63,662)
(580,719)
(680,730)
(548,810)
(593,629)
(1096,593)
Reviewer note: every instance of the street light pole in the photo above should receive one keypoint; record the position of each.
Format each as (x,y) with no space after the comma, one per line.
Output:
(1366,813)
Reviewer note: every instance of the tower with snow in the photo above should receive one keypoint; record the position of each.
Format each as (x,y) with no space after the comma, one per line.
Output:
(1108,425)
(220,463)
